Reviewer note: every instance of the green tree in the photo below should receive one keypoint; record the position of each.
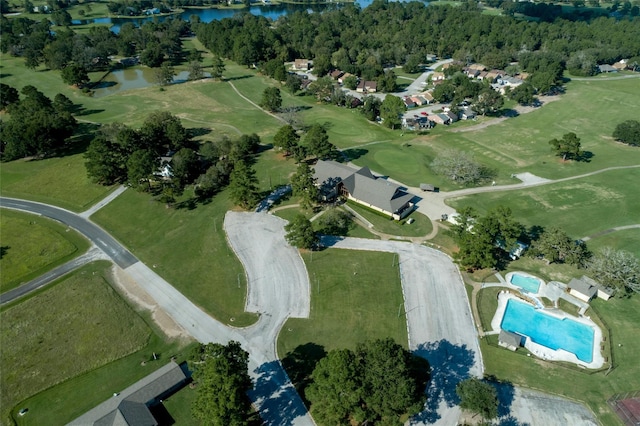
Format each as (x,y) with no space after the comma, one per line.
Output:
(222,376)
(61,18)
(557,247)
(185,166)
(322,88)
(303,185)
(195,71)
(628,132)
(617,269)
(74,74)
(351,82)
(152,56)
(460,167)
(391,109)
(479,397)
(568,147)
(293,83)
(271,99)
(140,167)
(387,82)
(243,185)
(62,104)
(8,96)
(523,94)
(163,132)
(210,182)
(300,233)
(335,221)
(164,74)
(217,67)
(488,101)
(317,142)
(286,139)
(371,107)
(106,162)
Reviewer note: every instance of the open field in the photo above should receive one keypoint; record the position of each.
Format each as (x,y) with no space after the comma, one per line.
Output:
(73,327)
(600,202)
(354,297)
(621,317)
(186,246)
(628,239)
(32,245)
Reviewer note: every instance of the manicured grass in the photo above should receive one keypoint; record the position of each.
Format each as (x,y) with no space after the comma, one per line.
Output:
(421,227)
(354,297)
(73,327)
(628,239)
(61,181)
(32,245)
(186,246)
(600,202)
(621,317)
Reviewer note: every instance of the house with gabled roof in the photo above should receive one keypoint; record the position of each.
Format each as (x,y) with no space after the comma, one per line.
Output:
(131,406)
(361,186)
(302,64)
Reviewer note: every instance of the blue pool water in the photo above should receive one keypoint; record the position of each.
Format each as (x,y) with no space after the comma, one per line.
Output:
(549,331)
(530,284)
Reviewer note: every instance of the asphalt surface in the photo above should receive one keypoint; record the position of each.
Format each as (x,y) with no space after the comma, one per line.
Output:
(439,321)
(105,242)
(50,276)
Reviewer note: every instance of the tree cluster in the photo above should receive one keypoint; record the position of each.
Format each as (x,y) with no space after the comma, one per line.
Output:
(485,241)
(479,397)
(300,233)
(365,41)
(36,125)
(315,143)
(222,380)
(617,269)
(568,147)
(557,247)
(460,167)
(378,383)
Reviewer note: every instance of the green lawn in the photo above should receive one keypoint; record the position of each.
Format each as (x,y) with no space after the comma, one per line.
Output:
(186,246)
(32,245)
(621,316)
(419,228)
(61,181)
(355,296)
(628,239)
(580,207)
(72,327)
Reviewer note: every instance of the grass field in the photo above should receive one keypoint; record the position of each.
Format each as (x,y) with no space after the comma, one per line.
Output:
(421,227)
(75,326)
(621,317)
(354,297)
(600,202)
(186,246)
(628,239)
(32,245)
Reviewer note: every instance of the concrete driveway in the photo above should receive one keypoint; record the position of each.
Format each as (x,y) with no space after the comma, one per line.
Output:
(439,321)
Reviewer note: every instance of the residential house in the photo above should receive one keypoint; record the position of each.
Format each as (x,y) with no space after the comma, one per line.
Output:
(493,75)
(467,114)
(336,74)
(416,100)
(408,102)
(472,73)
(523,75)
(343,77)
(302,64)
(436,76)
(621,65)
(371,86)
(482,76)
(362,187)
(478,67)
(452,116)
(428,97)
(431,57)
(509,340)
(607,68)
(132,405)
(360,87)
(440,118)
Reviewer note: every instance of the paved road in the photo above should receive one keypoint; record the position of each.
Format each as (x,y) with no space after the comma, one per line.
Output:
(439,321)
(105,242)
(273,393)
(52,275)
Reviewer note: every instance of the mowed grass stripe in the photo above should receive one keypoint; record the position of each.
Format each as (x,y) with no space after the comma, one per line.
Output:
(75,326)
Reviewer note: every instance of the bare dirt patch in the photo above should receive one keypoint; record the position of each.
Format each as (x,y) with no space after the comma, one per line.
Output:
(139,297)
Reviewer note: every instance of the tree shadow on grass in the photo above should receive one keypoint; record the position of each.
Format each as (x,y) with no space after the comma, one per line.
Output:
(354,153)
(300,363)
(240,77)
(3,251)
(450,364)
(275,397)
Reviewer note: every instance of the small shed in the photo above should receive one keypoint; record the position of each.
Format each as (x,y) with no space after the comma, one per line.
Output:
(582,290)
(509,340)
(428,187)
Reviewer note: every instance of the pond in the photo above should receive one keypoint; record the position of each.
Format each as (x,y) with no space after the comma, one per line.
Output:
(132,78)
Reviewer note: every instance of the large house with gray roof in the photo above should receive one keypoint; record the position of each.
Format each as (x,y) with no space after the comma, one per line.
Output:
(131,406)
(360,185)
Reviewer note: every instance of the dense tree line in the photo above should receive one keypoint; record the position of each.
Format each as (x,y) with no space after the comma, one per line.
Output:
(36,125)
(364,41)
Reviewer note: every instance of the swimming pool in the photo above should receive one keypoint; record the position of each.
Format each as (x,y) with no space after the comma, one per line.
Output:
(525,282)
(549,331)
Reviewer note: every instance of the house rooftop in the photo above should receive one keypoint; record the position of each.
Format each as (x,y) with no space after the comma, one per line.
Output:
(509,338)
(583,287)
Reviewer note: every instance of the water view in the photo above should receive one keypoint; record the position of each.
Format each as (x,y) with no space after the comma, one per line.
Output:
(132,78)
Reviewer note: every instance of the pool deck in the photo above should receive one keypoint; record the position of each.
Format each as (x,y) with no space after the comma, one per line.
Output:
(544,352)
